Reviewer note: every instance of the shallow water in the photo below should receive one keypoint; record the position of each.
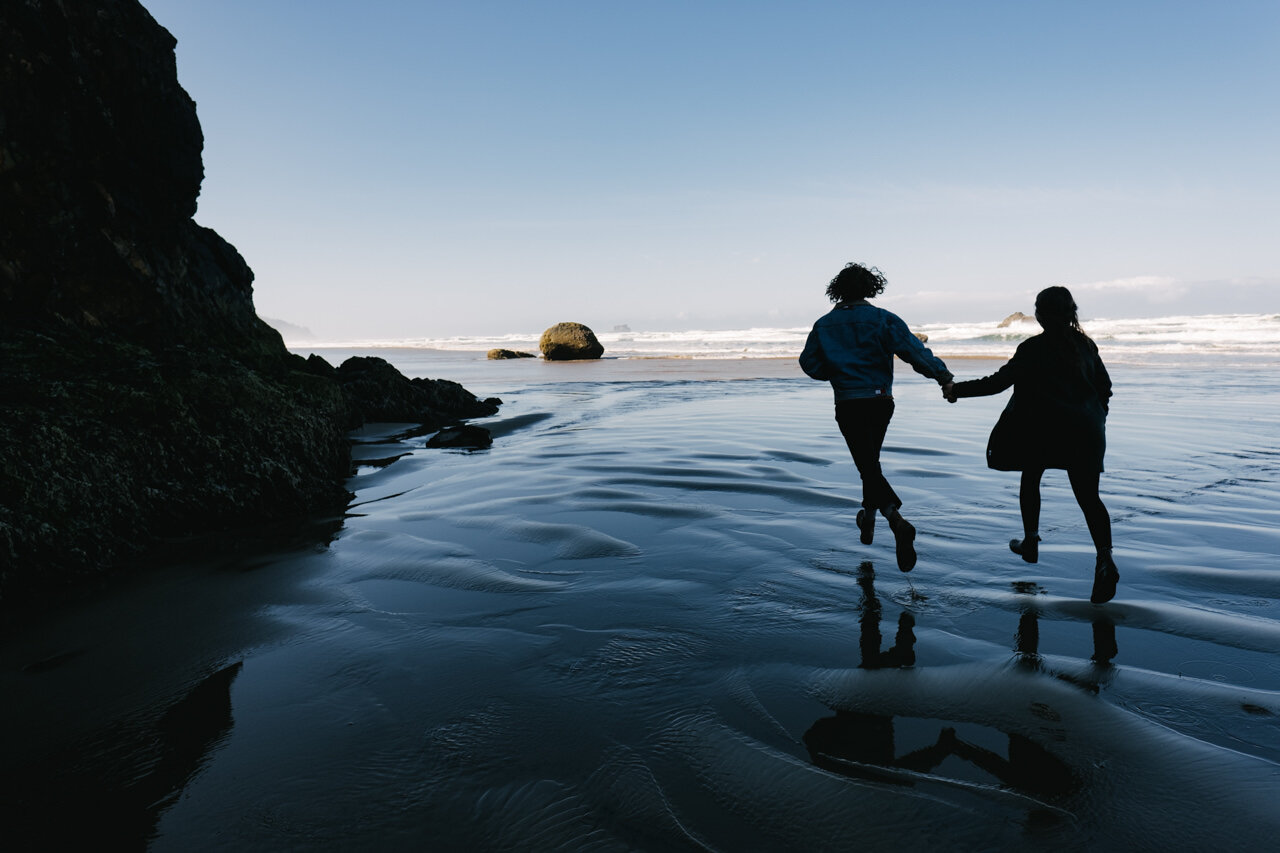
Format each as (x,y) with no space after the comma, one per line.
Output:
(643,620)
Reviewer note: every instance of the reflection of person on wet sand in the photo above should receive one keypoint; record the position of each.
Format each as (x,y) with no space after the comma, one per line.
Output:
(1027,639)
(1030,768)
(859,744)
(1104,641)
(903,651)
(1027,645)
(851,736)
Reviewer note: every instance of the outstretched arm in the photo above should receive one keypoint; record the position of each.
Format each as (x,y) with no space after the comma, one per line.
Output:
(993,384)
(910,349)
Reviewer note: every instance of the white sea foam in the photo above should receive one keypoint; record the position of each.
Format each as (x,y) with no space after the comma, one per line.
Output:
(1253,336)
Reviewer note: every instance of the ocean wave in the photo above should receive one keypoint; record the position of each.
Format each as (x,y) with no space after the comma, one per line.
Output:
(1249,335)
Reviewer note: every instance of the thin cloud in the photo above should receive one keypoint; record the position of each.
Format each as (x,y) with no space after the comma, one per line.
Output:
(1156,288)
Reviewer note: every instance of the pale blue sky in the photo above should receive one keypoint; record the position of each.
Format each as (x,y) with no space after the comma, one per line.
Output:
(392,168)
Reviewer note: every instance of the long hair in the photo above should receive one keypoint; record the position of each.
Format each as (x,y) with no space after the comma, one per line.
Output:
(856,281)
(1056,308)
(1057,312)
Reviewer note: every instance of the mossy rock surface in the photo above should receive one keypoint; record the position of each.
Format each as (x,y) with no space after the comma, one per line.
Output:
(568,342)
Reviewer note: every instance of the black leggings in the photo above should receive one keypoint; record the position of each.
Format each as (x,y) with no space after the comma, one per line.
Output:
(863,423)
(1084,485)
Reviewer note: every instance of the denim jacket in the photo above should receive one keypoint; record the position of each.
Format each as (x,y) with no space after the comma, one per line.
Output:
(853,347)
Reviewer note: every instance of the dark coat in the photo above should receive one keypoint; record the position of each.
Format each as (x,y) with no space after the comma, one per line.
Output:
(1057,415)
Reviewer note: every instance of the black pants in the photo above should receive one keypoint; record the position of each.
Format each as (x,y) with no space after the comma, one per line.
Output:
(863,424)
(1084,485)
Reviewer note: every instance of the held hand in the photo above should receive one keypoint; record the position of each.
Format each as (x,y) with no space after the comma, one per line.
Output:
(949,392)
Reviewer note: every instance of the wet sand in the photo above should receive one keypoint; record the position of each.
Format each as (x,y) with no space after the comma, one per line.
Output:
(643,620)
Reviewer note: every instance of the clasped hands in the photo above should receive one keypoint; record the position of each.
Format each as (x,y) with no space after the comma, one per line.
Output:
(949,392)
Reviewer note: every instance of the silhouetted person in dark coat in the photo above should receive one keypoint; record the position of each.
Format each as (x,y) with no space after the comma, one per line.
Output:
(852,347)
(1055,419)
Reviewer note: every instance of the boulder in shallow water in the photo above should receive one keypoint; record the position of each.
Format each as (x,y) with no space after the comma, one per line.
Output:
(922,337)
(1015,317)
(500,354)
(466,436)
(569,341)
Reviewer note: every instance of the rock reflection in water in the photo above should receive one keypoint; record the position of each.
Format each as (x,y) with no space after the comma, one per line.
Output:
(98,795)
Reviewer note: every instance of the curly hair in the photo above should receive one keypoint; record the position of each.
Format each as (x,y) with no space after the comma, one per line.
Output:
(856,281)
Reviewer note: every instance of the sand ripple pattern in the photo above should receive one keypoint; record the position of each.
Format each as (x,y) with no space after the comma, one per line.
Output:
(643,621)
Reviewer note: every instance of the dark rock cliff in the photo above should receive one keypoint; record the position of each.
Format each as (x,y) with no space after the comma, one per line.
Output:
(141,397)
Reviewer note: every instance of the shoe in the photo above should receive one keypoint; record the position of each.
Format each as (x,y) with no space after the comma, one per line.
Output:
(904,537)
(866,526)
(1027,549)
(1105,576)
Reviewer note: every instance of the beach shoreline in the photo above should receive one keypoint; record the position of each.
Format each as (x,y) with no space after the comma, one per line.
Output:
(1246,338)
(640,615)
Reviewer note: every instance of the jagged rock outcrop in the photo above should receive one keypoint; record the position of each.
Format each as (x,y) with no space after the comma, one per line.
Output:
(569,341)
(376,391)
(143,398)
(1015,317)
(99,174)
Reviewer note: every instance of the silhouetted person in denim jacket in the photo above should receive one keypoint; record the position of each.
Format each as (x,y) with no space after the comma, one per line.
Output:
(852,347)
